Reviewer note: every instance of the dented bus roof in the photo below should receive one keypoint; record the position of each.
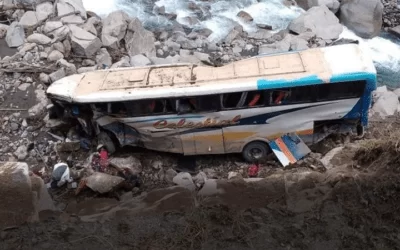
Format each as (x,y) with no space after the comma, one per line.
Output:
(312,66)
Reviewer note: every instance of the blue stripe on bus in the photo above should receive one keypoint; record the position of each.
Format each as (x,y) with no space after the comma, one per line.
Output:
(360,108)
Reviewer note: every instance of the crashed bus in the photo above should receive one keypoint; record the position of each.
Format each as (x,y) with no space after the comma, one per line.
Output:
(237,108)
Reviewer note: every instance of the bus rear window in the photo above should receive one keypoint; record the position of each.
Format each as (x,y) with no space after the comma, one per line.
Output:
(341,90)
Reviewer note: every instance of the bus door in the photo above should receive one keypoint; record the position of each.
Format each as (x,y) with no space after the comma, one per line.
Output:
(197,135)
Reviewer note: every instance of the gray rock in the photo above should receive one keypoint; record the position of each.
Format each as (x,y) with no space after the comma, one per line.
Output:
(68,6)
(28,57)
(44,10)
(54,56)
(87,69)
(173,45)
(43,55)
(3,30)
(170,175)
(333,5)
(67,47)
(123,63)
(233,34)
(21,153)
(17,15)
(364,17)
(319,20)
(131,164)
(261,35)
(24,86)
(103,183)
(114,28)
(88,62)
(202,56)
(40,107)
(29,19)
(246,17)
(44,78)
(139,61)
(52,26)
(186,43)
(298,44)
(185,180)
(138,40)
(200,179)
(70,68)
(281,46)
(83,42)
(59,46)
(103,58)
(15,35)
(90,25)
(39,39)
(55,76)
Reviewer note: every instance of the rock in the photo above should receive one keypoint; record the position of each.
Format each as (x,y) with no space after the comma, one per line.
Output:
(54,56)
(21,153)
(185,180)
(70,69)
(170,175)
(114,29)
(23,196)
(173,45)
(29,20)
(364,17)
(333,5)
(123,63)
(319,20)
(40,107)
(131,164)
(44,78)
(202,56)
(28,57)
(190,21)
(87,69)
(69,6)
(261,35)
(278,47)
(326,160)
(55,76)
(27,47)
(15,35)
(139,61)
(386,104)
(38,39)
(44,10)
(243,15)
(395,31)
(59,46)
(24,86)
(88,62)
(157,165)
(67,47)
(51,26)
(90,25)
(103,58)
(3,30)
(233,34)
(298,44)
(138,40)
(264,26)
(70,146)
(83,42)
(234,175)
(103,183)
(200,179)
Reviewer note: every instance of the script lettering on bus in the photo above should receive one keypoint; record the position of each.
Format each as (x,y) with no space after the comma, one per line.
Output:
(183,123)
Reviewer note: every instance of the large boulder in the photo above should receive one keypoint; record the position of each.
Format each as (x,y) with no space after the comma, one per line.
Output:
(83,42)
(139,40)
(15,35)
(319,20)
(38,39)
(3,30)
(65,7)
(29,19)
(44,10)
(114,28)
(364,17)
(333,5)
(22,195)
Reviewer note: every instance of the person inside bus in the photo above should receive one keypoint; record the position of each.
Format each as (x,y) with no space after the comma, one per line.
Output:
(186,105)
(282,97)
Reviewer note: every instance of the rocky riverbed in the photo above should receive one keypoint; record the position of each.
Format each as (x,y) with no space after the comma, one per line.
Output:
(44,41)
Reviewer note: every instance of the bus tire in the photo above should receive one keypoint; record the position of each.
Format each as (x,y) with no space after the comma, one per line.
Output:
(255,151)
(105,139)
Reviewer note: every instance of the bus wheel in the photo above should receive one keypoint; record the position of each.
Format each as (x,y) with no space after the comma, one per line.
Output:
(105,139)
(255,151)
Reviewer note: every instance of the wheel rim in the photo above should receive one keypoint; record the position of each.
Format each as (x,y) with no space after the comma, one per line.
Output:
(256,153)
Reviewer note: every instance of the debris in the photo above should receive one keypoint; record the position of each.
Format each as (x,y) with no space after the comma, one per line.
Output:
(60,175)
(185,180)
(253,170)
(289,149)
(67,146)
(102,183)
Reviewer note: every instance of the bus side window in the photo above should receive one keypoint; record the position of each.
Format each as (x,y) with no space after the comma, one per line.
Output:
(255,99)
(280,97)
(207,103)
(101,107)
(231,100)
(118,108)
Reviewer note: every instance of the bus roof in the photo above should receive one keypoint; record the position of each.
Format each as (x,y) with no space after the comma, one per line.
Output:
(313,66)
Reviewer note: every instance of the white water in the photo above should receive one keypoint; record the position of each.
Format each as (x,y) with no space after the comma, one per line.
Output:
(221,18)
